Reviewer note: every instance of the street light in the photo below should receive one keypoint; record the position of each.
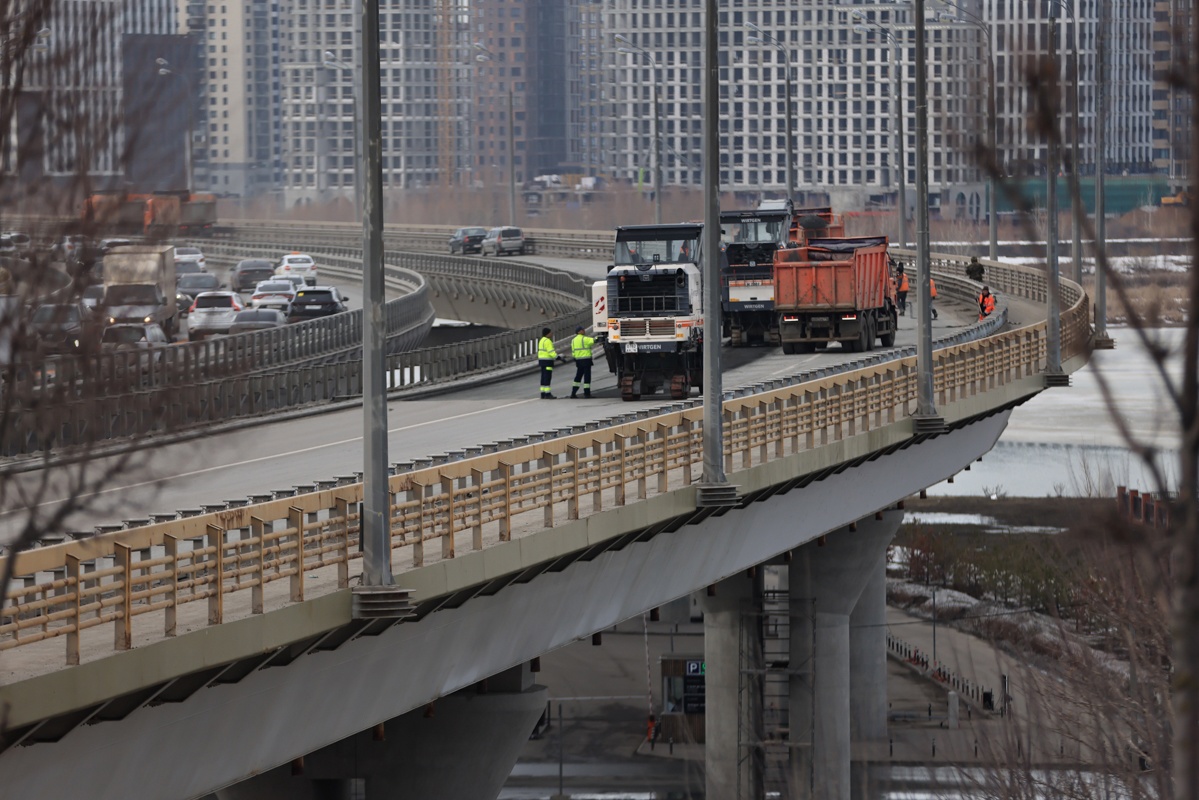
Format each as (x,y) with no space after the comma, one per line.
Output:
(633,49)
(164,68)
(967,17)
(486,55)
(763,37)
(1053,333)
(331,61)
(1075,199)
(865,26)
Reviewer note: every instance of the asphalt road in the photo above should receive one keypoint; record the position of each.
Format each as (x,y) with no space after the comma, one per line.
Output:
(231,465)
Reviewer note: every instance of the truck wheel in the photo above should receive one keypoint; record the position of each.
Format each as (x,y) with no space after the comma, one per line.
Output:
(680,387)
(626,389)
(871,332)
(735,338)
(888,339)
(789,348)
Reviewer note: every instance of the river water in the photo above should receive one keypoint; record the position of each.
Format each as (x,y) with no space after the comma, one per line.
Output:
(1068,441)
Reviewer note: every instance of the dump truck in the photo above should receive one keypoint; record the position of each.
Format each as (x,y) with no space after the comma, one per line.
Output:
(160,215)
(648,312)
(197,214)
(139,286)
(835,290)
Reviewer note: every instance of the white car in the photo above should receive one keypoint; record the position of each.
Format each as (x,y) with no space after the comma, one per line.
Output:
(189,260)
(298,264)
(276,293)
(212,312)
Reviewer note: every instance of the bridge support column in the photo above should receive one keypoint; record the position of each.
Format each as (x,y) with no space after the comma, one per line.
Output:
(420,755)
(732,707)
(828,579)
(868,658)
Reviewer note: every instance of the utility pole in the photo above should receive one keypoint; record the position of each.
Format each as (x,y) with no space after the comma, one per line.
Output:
(511,162)
(926,418)
(1053,326)
(1101,339)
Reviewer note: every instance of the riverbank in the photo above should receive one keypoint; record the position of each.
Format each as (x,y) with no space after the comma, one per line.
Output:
(952,513)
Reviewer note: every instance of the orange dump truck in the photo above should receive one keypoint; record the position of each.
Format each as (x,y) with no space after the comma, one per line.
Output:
(835,290)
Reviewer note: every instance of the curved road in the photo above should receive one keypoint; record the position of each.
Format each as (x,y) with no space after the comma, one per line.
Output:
(231,465)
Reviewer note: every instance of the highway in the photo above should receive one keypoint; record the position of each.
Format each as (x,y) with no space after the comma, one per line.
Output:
(233,464)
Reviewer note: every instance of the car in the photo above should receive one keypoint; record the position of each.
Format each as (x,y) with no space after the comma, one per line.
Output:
(295,280)
(276,293)
(505,240)
(467,240)
(63,327)
(257,319)
(106,246)
(23,242)
(146,338)
(92,295)
(188,260)
(250,272)
(212,312)
(314,302)
(298,264)
(189,286)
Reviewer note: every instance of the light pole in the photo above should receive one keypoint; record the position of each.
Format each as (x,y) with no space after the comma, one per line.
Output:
(1102,340)
(763,37)
(331,61)
(901,168)
(633,49)
(164,68)
(968,17)
(1075,199)
(926,418)
(486,55)
(1053,331)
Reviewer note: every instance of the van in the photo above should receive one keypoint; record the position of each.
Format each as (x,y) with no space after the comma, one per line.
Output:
(504,240)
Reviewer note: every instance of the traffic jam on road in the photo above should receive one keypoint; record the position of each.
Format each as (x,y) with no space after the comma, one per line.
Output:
(141,296)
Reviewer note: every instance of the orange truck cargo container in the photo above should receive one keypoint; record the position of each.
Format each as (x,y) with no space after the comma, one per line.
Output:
(835,290)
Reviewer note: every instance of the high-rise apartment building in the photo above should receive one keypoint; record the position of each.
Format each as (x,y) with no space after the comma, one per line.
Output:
(236,147)
(1172,44)
(71,87)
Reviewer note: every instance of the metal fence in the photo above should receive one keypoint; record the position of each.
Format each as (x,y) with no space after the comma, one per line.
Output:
(227,564)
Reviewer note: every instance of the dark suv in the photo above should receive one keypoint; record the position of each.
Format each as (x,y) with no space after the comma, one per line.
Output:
(63,328)
(467,240)
(250,272)
(316,301)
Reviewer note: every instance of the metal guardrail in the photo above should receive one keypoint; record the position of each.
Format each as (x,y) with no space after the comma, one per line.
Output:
(234,558)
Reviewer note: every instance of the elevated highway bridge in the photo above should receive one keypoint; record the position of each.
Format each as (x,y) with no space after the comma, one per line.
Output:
(225,640)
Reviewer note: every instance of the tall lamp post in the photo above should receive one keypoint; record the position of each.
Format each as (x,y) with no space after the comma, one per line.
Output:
(486,55)
(1076,205)
(633,49)
(164,68)
(968,17)
(332,62)
(1053,330)
(763,37)
(866,26)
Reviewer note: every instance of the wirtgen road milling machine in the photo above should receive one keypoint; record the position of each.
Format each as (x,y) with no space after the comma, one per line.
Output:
(649,311)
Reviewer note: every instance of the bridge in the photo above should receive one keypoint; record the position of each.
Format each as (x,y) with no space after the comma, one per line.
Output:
(220,650)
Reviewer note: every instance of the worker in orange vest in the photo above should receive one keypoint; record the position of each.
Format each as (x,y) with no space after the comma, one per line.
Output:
(932,295)
(986,304)
(903,291)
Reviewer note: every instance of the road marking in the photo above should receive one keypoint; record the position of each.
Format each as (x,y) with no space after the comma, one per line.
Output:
(268,458)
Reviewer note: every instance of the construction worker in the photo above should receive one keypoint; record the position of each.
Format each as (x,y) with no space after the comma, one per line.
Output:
(932,295)
(902,291)
(986,304)
(580,351)
(975,270)
(546,356)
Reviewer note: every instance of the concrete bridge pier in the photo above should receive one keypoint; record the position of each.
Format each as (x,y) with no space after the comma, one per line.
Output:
(420,755)
(732,698)
(838,653)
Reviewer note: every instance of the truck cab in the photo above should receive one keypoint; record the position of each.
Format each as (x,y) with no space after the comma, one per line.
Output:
(649,309)
(749,240)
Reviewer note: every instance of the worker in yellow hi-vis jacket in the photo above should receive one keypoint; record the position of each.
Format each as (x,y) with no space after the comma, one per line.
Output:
(580,351)
(546,356)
